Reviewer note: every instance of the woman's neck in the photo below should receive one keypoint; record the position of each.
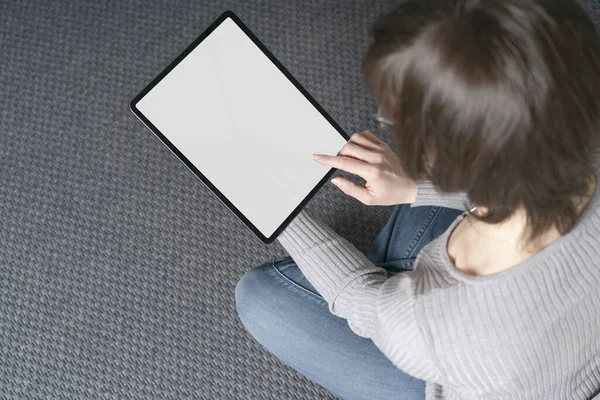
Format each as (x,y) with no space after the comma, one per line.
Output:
(516,227)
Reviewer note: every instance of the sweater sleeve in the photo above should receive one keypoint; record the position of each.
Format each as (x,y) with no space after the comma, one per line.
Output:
(428,195)
(343,275)
(376,307)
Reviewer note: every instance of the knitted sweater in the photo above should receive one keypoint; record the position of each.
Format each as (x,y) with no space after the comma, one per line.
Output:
(529,332)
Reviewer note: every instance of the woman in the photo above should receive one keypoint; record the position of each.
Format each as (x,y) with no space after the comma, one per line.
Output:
(485,281)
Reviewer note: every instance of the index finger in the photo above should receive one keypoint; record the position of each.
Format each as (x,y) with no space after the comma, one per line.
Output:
(348,164)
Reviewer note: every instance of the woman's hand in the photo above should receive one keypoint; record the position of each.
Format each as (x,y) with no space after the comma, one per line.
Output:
(371,158)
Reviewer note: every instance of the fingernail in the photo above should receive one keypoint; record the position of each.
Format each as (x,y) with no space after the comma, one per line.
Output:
(316,156)
(335,182)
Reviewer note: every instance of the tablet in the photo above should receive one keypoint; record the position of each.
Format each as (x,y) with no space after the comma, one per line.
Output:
(230,111)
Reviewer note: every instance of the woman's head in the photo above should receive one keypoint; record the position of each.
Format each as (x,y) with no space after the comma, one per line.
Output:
(496,98)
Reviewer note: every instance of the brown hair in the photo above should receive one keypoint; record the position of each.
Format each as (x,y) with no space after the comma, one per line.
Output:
(503,96)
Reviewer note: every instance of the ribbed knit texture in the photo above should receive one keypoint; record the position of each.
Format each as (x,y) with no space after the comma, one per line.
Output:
(530,332)
(428,194)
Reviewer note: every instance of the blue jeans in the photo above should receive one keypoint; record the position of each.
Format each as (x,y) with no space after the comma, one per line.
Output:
(284,313)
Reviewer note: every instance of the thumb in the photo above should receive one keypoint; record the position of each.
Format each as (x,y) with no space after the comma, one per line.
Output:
(360,193)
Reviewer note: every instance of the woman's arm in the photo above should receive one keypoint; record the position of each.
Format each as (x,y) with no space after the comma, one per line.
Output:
(376,307)
(343,276)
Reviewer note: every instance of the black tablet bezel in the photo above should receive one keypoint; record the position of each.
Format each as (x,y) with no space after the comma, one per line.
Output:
(191,167)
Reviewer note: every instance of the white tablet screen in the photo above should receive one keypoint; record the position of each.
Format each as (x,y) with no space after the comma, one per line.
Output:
(244,125)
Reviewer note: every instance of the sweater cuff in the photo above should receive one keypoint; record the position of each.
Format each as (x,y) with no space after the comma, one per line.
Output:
(428,195)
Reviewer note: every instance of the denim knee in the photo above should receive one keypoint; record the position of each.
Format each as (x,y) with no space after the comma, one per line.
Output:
(245,292)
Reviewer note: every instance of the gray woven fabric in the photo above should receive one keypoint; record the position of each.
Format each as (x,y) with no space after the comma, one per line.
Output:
(118,266)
